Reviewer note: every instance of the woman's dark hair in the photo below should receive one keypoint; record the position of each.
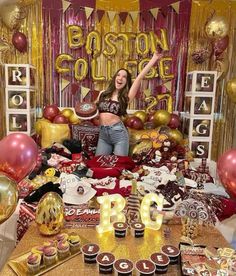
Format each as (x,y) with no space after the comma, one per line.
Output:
(123,93)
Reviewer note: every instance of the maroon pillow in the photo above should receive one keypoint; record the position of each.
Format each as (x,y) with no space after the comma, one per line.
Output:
(109,165)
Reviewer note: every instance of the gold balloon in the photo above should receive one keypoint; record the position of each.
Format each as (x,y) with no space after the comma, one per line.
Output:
(231,89)
(81,69)
(59,60)
(161,117)
(176,135)
(217,27)
(142,44)
(75,36)
(93,44)
(8,197)
(142,115)
(50,214)
(110,47)
(12,15)
(73,119)
(51,133)
(67,112)
(38,125)
(142,146)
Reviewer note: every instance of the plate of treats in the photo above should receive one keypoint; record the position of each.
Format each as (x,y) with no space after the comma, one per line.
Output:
(50,254)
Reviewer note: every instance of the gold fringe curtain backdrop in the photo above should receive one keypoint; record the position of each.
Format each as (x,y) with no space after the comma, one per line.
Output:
(225,111)
(31,27)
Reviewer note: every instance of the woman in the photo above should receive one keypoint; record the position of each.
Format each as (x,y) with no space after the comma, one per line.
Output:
(112,104)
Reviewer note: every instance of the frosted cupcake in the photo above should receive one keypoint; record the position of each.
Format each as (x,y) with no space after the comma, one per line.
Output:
(62,237)
(120,229)
(90,252)
(50,255)
(38,250)
(105,262)
(172,252)
(63,249)
(123,267)
(49,243)
(137,229)
(145,267)
(74,242)
(33,263)
(161,261)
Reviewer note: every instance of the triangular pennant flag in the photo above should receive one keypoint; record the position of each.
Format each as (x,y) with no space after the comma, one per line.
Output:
(145,15)
(134,15)
(154,12)
(64,84)
(95,94)
(111,15)
(168,85)
(84,91)
(123,16)
(74,88)
(175,6)
(100,14)
(147,92)
(88,11)
(65,5)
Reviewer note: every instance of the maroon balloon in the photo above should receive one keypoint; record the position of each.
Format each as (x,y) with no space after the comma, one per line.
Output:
(134,122)
(60,119)
(174,121)
(19,40)
(220,45)
(226,170)
(18,156)
(50,112)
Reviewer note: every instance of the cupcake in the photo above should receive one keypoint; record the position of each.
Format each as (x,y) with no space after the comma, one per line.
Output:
(172,252)
(145,267)
(105,262)
(137,229)
(38,250)
(33,263)
(123,267)
(62,237)
(63,249)
(50,255)
(74,242)
(120,229)
(90,252)
(49,243)
(161,262)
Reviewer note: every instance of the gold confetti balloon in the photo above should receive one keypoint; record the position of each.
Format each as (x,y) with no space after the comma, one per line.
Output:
(217,27)
(50,214)
(231,89)
(8,197)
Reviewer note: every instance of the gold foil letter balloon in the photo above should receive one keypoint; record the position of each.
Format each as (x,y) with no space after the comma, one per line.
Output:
(50,214)
(8,197)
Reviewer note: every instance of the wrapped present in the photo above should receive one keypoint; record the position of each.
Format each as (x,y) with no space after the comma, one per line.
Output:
(88,135)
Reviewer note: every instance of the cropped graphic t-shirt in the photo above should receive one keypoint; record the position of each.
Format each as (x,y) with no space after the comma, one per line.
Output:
(110,106)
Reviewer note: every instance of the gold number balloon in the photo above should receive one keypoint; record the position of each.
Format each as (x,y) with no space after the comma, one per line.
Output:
(231,89)
(50,214)
(8,197)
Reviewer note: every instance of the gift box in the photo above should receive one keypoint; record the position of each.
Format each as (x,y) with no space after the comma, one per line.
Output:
(88,135)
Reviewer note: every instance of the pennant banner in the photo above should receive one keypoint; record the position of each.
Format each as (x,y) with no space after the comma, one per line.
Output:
(175,6)
(64,84)
(84,91)
(100,14)
(147,92)
(168,85)
(111,15)
(154,12)
(123,16)
(134,15)
(88,11)
(65,5)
